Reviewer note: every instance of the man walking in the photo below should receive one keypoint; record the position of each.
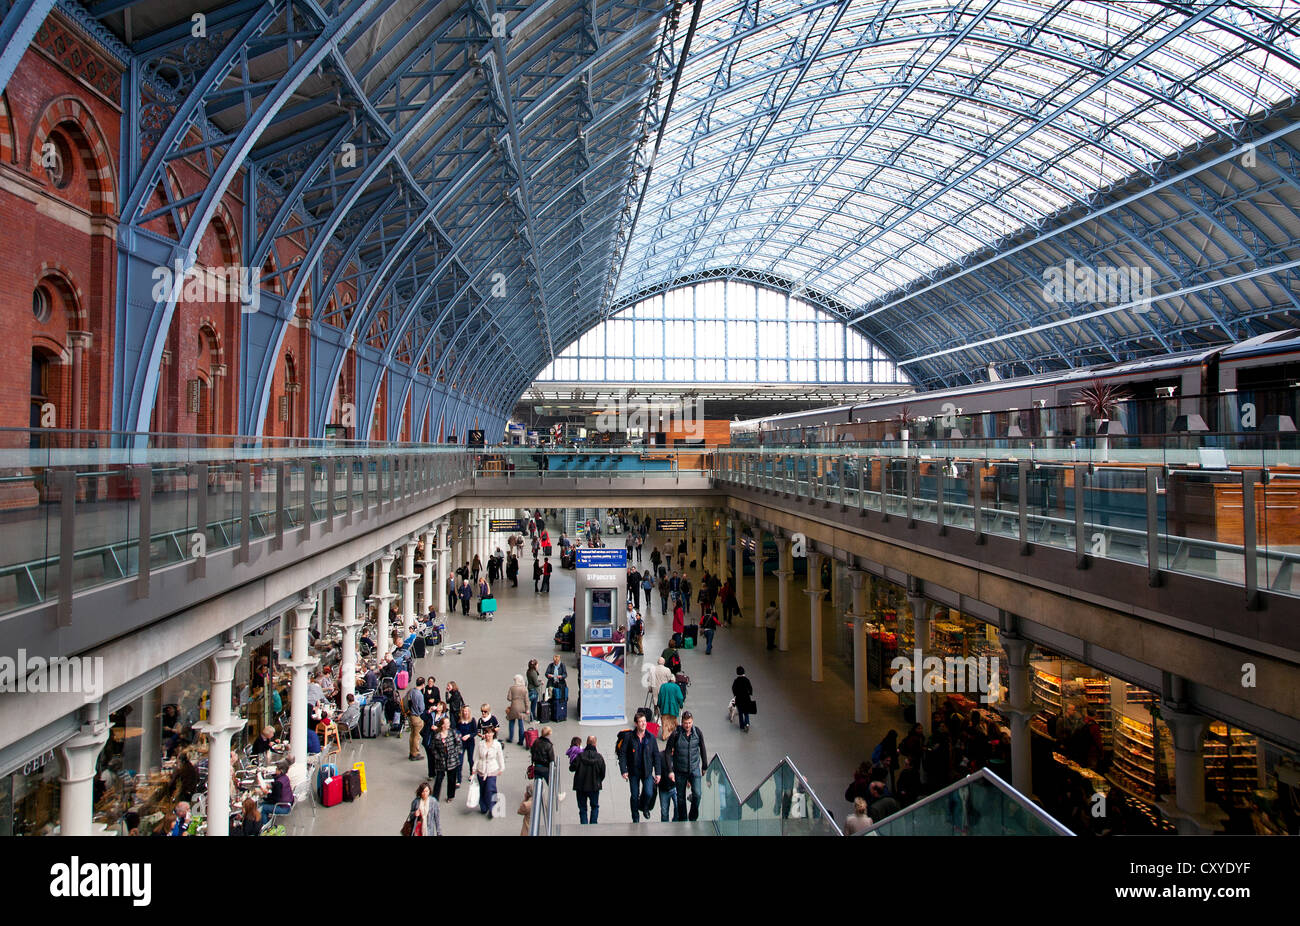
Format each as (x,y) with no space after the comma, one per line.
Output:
(771,620)
(546,576)
(686,761)
(588,769)
(637,760)
(414,713)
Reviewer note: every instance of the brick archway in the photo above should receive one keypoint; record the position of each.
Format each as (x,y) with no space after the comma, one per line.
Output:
(98,159)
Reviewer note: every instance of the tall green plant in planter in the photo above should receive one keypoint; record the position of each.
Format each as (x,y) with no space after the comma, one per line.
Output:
(1102,400)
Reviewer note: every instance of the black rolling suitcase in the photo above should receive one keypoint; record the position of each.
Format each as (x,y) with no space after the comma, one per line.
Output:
(417,648)
(560,705)
(692,632)
(543,711)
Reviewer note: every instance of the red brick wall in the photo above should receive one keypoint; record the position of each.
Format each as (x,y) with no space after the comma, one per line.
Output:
(63,237)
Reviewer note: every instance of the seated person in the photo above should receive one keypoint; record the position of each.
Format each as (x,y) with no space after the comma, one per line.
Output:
(279,791)
(390,668)
(265,741)
(185,779)
(351,715)
(369,681)
(620,635)
(313,743)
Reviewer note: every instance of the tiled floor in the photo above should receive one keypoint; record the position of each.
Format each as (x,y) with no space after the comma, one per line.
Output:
(810,722)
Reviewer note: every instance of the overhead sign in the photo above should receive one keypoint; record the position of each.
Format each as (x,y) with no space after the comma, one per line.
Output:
(506,525)
(601,558)
(670,524)
(474,438)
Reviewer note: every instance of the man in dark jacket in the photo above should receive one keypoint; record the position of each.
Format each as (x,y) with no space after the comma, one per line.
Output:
(686,761)
(542,754)
(636,760)
(588,769)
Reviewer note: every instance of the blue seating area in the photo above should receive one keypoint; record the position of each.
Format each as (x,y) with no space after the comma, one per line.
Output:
(606,463)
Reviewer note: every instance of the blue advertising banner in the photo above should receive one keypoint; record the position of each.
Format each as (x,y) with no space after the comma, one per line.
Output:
(603,683)
(601,557)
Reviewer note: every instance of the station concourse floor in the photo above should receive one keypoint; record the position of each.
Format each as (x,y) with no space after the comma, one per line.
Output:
(811,722)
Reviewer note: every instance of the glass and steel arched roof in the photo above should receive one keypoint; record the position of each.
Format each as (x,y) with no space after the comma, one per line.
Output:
(859,147)
(456,191)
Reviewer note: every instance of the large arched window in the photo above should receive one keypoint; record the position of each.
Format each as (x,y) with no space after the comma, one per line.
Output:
(723,331)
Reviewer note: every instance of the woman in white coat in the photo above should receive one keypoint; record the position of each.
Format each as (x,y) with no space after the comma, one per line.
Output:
(489,762)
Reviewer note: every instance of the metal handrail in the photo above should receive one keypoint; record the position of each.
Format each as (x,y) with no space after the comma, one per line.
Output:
(1218,546)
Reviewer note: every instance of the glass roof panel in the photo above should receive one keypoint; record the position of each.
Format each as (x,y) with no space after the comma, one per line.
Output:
(876,144)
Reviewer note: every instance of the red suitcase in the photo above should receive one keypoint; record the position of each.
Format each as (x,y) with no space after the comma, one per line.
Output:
(331,791)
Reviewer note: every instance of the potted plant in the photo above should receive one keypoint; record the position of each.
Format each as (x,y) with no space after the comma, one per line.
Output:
(1101,400)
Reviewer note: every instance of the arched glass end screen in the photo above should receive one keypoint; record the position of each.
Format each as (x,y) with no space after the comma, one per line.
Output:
(722,331)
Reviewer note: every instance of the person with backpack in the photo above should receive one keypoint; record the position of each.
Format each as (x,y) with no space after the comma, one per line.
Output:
(687,759)
(639,544)
(647,587)
(414,710)
(638,757)
(664,590)
(685,596)
(669,703)
(542,754)
(588,769)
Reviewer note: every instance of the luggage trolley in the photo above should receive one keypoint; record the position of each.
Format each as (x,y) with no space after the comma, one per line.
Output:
(458,648)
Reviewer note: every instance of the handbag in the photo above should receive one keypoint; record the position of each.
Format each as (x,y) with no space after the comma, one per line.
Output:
(408,828)
(530,772)
(471,793)
(498,806)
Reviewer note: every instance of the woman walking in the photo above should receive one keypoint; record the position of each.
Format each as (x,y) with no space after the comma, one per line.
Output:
(743,692)
(466,730)
(517,709)
(444,758)
(489,762)
(535,685)
(424,813)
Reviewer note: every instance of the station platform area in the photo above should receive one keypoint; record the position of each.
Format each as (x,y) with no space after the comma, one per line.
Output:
(810,722)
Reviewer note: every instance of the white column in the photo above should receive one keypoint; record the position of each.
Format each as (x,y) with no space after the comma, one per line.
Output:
(301,664)
(150,730)
(1018,711)
(348,659)
(430,547)
(1188,732)
(921,634)
(737,531)
(384,595)
(220,726)
(408,587)
(443,569)
(77,758)
(816,594)
(323,612)
(759,607)
(785,553)
(861,614)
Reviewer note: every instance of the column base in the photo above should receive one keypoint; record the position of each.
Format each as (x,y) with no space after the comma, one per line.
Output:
(1206,823)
